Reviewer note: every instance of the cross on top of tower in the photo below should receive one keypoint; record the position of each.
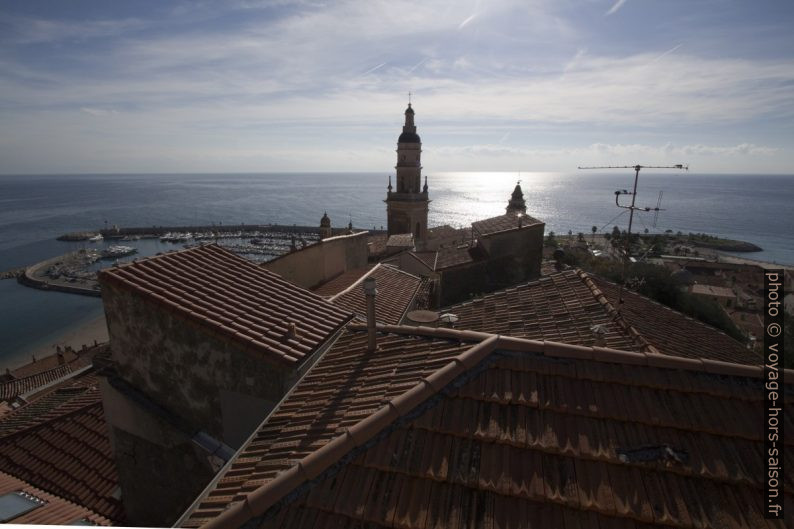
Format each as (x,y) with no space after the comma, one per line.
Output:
(409,98)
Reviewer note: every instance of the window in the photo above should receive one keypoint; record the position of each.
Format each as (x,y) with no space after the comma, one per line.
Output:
(17,503)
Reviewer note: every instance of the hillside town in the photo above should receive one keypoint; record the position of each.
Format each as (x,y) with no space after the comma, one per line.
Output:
(430,376)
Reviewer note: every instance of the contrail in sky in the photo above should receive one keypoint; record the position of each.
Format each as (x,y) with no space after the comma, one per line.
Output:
(375,68)
(465,22)
(615,7)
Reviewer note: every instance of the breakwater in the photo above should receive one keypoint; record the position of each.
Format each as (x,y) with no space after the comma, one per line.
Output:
(240,230)
(64,273)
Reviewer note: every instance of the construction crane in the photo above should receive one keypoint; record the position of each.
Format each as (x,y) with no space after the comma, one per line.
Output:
(633,207)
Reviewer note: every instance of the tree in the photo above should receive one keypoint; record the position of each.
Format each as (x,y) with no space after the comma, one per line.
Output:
(594,229)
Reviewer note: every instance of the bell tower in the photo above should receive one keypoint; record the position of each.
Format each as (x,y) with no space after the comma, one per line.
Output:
(407,206)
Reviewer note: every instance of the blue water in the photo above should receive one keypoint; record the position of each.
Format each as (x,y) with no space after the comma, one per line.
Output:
(34,210)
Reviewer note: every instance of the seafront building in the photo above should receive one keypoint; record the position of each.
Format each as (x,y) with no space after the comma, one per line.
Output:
(423,377)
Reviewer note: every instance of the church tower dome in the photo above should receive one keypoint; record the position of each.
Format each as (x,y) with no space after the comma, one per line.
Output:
(407,205)
(325,226)
(517,204)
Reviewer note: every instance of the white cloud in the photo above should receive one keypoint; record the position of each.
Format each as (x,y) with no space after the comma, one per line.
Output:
(315,75)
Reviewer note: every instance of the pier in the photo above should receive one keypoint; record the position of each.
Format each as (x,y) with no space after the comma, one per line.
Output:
(64,273)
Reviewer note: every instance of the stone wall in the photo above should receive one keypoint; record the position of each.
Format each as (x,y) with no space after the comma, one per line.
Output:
(160,470)
(323,261)
(512,257)
(515,255)
(179,365)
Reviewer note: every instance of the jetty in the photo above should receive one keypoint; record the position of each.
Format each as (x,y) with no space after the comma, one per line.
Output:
(221,230)
(65,273)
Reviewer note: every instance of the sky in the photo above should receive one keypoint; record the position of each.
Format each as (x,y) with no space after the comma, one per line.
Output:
(505,85)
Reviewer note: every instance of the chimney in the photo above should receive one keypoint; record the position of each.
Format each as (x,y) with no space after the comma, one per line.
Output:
(292,331)
(370,292)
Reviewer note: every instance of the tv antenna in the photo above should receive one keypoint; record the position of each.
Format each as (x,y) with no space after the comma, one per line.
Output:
(658,208)
(632,208)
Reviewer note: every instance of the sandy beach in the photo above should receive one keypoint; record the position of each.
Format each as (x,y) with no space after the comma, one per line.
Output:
(95,329)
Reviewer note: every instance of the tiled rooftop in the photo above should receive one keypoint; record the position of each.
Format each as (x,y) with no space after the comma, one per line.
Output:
(59,443)
(502,223)
(235,298)
(345,386)
(559,307)
(450,256)
(43,372)
(44,364)
(429,258)
(674,333)
(397,290)
(510,433)
(400,240)
(341,282)
(376,244)
(53,510)
(710,290)
(565,306)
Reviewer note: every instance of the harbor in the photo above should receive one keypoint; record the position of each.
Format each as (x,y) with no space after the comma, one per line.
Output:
(76,272)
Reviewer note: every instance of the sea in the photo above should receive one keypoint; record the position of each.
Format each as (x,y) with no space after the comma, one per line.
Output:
(35,210)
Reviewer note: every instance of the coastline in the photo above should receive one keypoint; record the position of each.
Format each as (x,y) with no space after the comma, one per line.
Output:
(85,333)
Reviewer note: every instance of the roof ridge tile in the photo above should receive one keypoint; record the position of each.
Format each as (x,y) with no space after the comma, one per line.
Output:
(614,313)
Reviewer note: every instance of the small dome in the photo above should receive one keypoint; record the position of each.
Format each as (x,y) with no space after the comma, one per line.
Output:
(325,222)
(409,137)
(409,110)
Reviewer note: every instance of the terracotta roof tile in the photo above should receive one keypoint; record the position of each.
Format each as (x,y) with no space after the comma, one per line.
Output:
(59,443)
(42,365)
(341,282)
(429,258)
(400,240)
(559,308)
(42,373)
(565,306)
(504,434)
(455,255)
(674,333)
(502,223)
(53,510)
(228,294)
(376,244)
(397,291)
